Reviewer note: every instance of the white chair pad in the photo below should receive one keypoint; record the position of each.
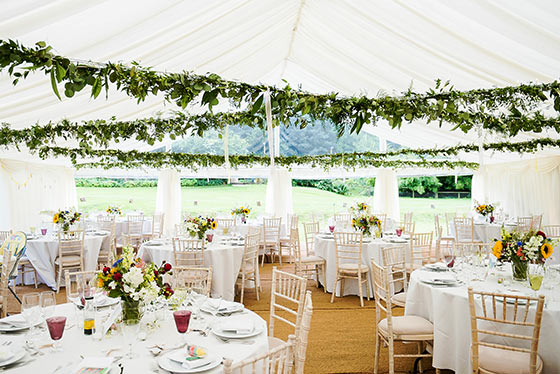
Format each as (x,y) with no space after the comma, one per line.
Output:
(500,361)
(68,260)
(352,268)
(399,298)
(312,259)
(408,325)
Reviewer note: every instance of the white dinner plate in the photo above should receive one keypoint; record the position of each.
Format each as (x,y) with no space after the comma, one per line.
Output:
(230,308)
(395,240)
(233,335)
(436,267)
(18,355)
(149,244)
(172,366)
(99,303)
(441,282)
(21,324)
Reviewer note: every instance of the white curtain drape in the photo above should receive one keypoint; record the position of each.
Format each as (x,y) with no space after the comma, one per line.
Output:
(279,194)
(522,188)
(27,189)
(386,193)
(168,200)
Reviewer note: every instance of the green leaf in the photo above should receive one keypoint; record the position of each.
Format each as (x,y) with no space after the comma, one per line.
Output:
(53,85)
(60,72)
(257,104)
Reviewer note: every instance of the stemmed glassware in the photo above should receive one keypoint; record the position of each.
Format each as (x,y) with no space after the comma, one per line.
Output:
(182,319)
(129,330)
(48,303)
(31,309)
(535,276)
(56,330)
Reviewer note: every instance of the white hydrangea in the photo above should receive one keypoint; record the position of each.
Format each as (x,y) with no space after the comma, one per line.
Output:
(533,246)
(133,278)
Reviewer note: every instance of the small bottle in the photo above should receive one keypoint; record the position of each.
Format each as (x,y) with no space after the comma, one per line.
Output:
(89,316)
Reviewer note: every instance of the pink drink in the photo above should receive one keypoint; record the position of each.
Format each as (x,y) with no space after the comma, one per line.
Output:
(56,327)
(399,231)
(331,228)
(209,237)
(182,318)
(43,232)
(450,260)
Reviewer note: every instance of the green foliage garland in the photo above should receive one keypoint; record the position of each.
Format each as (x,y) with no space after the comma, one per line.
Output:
(506,110)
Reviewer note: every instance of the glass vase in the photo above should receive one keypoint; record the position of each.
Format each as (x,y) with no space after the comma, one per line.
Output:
(132,311)
(519,270)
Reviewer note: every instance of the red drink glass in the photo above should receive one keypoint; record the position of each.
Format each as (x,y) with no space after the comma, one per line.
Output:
(56,329)
(399,231)
(43,232)
(331,228)
(209,237)
(182,318)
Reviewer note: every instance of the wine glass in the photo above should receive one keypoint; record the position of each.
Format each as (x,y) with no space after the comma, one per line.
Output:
(398,230)
(129,330)
(331,228)
(536,274)
(48,303)
(56,330)
(31,309)
(182,319)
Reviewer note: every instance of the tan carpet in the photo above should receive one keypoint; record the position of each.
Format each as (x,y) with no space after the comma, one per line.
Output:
(342,337)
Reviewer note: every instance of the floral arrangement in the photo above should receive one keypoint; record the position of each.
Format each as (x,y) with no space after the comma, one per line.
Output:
(65,218)
(522,248)
(359,208)
(114,210)
(241,211)
(197,226)
(366,223)
(484,209)
(132,280)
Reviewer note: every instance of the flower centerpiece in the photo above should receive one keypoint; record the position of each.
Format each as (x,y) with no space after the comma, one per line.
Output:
(485,210)
(359,208)
(367,223)
(115,210)
(134,282)
(197,226)
(521,248)
(66,218)
(241,212)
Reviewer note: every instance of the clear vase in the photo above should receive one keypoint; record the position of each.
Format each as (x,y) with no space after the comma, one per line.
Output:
(132,311)
(519,270)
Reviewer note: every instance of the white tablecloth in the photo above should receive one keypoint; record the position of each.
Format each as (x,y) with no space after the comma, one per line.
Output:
(243,228)
(224,259)
(325,248)
(486,232)
(121,227)
(43,251)
(75,343)
(448,309)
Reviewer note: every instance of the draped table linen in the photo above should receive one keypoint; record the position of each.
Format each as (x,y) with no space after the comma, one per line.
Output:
(448,309)
(121,226)
(225,260)
(42,252)
(486,232)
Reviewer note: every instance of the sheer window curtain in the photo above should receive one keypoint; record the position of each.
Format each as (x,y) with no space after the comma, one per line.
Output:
(168,199)
(386,193)
(27,189)
(279,194)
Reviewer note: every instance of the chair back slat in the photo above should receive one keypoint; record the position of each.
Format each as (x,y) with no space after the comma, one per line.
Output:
(225,223)
(524,224)
(552,231)
(394,259)
(78,281)
(420,248)
(348,248)
(194,279)
(293,221)
(493,321)
(408,227)
(310,230)
(135,224)
(407,217)
(303,334)
(271,229)
(7,265)
(382,292)
(287,295)
(188,252)
(157,225)
(279,360)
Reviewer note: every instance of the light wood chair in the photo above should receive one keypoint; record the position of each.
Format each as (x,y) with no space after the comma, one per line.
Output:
(407,217)
(7,265)
(286,241)
(394,259)
(194,279)
(536,222)
(390,329)
(449,217)
(225,223)
(278,360)
(271,239)
(287,296)
(552,231)
(4,234)
(70,254)
(464,230)
(491,317)
(349,265)
(310,230)
(108,255)
(342,221)
(383,218)
(420,249)
(249,270)
(408,228)
(303,335)
(78,281)
(443,243)
(305,265)
(180,230)
(157,227)
(524,224)
(134,235)
(188,252)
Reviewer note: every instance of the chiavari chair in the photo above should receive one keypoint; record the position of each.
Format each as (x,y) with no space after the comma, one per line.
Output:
(188,252)
(249,270)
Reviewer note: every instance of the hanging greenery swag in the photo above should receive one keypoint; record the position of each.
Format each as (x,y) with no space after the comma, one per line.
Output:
(506,110)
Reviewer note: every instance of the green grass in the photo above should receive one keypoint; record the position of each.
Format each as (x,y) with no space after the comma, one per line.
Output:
(221,199)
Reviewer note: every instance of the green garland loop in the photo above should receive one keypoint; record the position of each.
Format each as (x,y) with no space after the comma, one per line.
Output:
(506,110)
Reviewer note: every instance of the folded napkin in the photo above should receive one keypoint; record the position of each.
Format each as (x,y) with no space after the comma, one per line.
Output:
(191,357)
(6,353)
(221,305)
(238,325)
(16,323)
(95,365)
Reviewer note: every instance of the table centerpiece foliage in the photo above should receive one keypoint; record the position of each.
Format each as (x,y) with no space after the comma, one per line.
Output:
(66,218)
(197,226)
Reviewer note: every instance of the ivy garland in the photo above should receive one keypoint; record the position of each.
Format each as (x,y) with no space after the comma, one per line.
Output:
(506,110)
(112,158)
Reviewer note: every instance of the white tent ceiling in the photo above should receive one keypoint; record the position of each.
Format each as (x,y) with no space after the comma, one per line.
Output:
(346,46)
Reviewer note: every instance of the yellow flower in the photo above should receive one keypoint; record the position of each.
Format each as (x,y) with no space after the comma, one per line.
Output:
(546,250)
(497,249)
(55,218)
(246,211)
(214,225)
(100,283)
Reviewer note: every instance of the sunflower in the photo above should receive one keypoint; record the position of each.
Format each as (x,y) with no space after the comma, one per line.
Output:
(497,249)
(55,218)
(246,211)
(546,250)
(214,225)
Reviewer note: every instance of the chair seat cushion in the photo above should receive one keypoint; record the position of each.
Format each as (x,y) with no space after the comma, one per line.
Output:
(399,298)
(500,361)
(312,259)
(352,268)
(408,325)
(68,260)
(274,342)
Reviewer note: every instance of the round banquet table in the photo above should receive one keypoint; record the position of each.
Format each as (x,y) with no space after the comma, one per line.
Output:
(243,228)
(448,309)
(486,232)
(76,344)
(225,260)
(43,250)
(121,225)
(325,248)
